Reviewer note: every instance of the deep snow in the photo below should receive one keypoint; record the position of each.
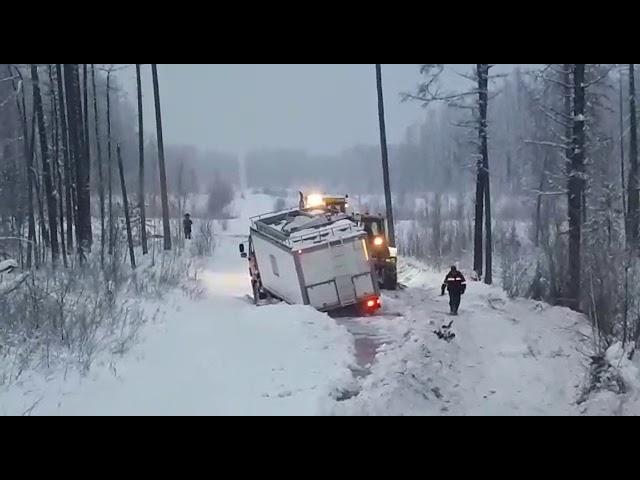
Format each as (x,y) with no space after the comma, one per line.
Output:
(509,357)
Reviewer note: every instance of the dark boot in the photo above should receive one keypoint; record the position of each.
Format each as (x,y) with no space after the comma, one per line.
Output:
(455,303)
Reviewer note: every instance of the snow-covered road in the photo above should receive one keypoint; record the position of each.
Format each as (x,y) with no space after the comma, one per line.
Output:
(216,356)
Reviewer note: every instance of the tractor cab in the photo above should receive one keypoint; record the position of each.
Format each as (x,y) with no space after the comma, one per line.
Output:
(384,256)
(378,237)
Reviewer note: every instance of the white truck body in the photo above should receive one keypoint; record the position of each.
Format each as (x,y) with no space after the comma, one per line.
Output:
(313,259)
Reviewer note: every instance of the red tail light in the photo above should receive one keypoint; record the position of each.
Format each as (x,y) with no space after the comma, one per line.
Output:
(373,303)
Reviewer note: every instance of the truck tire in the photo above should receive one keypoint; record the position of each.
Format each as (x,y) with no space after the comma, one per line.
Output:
(256,292)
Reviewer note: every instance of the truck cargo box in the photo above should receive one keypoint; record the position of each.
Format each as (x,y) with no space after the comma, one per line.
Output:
(313,258)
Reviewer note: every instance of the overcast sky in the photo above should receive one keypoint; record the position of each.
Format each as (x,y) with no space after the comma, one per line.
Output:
(320,108)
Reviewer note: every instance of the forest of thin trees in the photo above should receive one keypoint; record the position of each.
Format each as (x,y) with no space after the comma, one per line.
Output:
(65,130)
(77,178)
(530,177)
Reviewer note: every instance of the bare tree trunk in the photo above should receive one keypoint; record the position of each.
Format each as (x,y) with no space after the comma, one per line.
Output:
(86,129)
(67,157)
(36,191)
(78,151)
(100,173)
(163,173)
(633,204)
(57,176)
(61,213)
(478,221)
(125,204)
(109,164)
(622,174)
(72,100)
(45,240)
(385,158)
(483,92)
(28,156)
(480,193)
(543,179)
(179,191)
(625,316)
(46,167)
(576,185)
(141,197)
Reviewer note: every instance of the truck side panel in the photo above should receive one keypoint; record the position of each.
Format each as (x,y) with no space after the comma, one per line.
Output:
(277,270)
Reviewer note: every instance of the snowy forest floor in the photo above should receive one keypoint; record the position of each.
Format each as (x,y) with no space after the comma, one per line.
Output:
(220,355)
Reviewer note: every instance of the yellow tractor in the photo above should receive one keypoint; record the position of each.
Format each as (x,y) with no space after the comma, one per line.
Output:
(385,257)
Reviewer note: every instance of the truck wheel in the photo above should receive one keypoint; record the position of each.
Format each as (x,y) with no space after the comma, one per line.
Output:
(256,292)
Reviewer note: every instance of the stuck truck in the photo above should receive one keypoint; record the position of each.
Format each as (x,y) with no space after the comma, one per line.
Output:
(311,257)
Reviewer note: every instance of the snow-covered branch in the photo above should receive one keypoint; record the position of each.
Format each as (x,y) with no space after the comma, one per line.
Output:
(7,266)
(542,193)
(7,287)
(546,143)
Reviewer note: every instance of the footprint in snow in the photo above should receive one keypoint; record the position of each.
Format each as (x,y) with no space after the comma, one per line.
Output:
(491,392)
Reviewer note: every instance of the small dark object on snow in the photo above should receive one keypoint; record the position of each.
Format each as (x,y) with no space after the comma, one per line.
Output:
(445,333)
(446,336)
(437,393)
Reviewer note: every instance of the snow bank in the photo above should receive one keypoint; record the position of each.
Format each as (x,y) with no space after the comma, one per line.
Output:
(626,373)
(508,357)
(215,357)
(8,265)
(220,355)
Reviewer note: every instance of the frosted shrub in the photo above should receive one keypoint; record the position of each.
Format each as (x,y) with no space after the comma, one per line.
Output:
(204,242)
(65,315)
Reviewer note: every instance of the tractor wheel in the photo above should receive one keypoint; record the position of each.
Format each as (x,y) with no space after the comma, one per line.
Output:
(390,280)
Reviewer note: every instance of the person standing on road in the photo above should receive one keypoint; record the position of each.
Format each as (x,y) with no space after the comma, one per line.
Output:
(186,224)
(456,284)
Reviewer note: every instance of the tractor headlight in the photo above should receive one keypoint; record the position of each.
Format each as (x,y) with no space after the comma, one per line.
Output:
(315,200)
(378,241)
